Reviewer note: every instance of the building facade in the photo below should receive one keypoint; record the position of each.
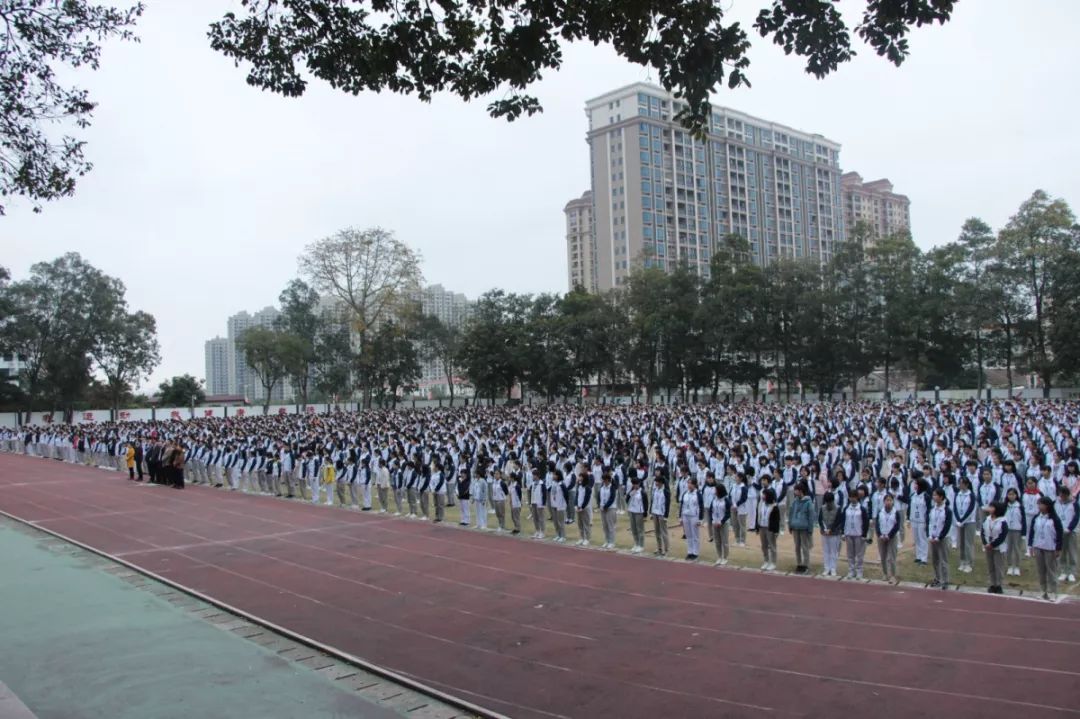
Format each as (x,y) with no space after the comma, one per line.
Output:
(874,203)
(452,309)
(580,247)
(661,196)
(241,378)
(217,366)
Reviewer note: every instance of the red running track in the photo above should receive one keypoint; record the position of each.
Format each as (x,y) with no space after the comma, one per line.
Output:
(531,629)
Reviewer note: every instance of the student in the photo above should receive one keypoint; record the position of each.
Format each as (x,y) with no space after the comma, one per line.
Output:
(424,490)
(637,506)
(559,497)
(1045,537)
(768,527)
(801,523)
(516,490)
(1066,510)
(583,509)
(742,509)
(918,514)
(831,524)
(480,491)
(464,495)
(887,524)
(538,498)
(692,513)
(1031,506)
(412,483)
(382,485)
(720,514)
(365,479)
(964,507)
(1047,485)
(328,480)
(995,533)
(346,473)
(988,493)
(938,525)
(608,496)
(438,491)
(1016,518)
(500,489)
(856,530)
(660,503)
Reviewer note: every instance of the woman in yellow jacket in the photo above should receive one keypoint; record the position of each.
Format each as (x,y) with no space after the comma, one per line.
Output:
(129,457)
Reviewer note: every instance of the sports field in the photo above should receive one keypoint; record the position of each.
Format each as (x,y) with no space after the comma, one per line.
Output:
(530,629)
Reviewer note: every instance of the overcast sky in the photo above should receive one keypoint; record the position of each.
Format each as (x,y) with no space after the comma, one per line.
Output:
(205,190)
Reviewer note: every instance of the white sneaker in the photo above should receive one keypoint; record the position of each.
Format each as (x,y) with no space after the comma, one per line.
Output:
(397,514)
(723,562)
(1061,577)
(1072,577)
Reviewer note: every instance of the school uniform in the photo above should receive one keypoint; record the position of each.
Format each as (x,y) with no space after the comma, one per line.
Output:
(607,495)
(768,526)
(831,524)
(438,491)
(464,495)
(856,529)
(538,498)
(1069,516)
(583,507)
(637,506)
(1016,518)
(424,490)
(691,513)
(938,525)
(994,533)
(660,501)
(720,513)
(559,498)
(887,524)
(743,512)
(382,486)
(1045,537)
(964,514)
(412,495)
(499,492)
(480,496)
(515,504)
(919,516)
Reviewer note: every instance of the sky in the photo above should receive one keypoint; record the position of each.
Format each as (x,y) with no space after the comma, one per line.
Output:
(205,190)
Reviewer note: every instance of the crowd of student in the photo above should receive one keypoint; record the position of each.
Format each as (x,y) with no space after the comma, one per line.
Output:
(998,478)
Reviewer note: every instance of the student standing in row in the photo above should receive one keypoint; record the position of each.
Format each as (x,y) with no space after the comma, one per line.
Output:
(888,522)
(964,508)
(1066,510)
(1016,518)
(994,533)
(559,497)
(831,524)
(583,509)
(608,511)
(660,509)
(538,496)
(1044,540)
(742,509)
(499,492)
(479,491)
(691,512)
(938,526)
(768,527)
(856,529)
(720,517)
(801,523)
(515,502)
(637,506)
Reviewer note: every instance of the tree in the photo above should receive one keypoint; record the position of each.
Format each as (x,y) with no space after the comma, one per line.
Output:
(126,351)
(181,391)
(41,40)
(441,343)
(977,242)
(1031,244)
(266,351)
(893,264)
(546,365)
(300,319)
(491,345)
(1064,333)
(370,271)
(57,315)
(478,48)
(590,330)
(394,363)
(333,358)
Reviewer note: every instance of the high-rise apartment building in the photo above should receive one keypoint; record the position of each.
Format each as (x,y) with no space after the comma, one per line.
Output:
(242,379)
(452,309)
(661,196)
(217,366)
(874,203)
(580,248)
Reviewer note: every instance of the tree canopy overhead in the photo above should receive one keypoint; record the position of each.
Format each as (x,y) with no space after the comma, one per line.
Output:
(474,48)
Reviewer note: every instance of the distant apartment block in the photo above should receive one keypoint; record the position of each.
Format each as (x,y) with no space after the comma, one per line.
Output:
(453,309)
(661,196)
(217,366)
(874,203)
(580,246)
(242,379)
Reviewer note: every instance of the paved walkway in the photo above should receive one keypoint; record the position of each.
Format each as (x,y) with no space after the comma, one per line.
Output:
(80,642)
